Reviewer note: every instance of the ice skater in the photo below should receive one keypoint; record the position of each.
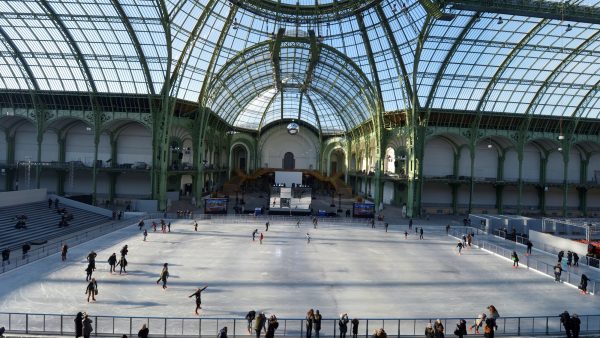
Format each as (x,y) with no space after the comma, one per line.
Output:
(343,324)
(92,290)
(478,323)
(405,234)
(122,265)
(254,234)
(63,252)
(469,239)
(575,259)
(460,246)
(261,237)
(583,284)
(154,225)
(112,262)
(250,317)
(373,223)
(421,233)
(89,270)
(298,224)
(386,225)
(164,274)
(141,224)
(515,259)
(447,229)
(91,258)
(307,238)
(557,272)
(410,224)
(145,234)
(529,246)
(195,226)
(198,294)
(124,250)
(569,258)
(169,226)
(561,254)
(267,226)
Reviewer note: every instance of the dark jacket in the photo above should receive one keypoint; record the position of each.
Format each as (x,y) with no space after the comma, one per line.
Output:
(343,324)
(112,260)
(317,321)
(143,333)
(355,323)
(79,325)
(273,325)
(87,327)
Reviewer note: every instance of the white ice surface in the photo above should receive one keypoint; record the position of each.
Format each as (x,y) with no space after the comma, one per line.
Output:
(362,271)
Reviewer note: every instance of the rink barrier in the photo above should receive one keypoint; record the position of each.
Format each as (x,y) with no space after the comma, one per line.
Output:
(529,262)
(115,326)
(17,259)
(249,218)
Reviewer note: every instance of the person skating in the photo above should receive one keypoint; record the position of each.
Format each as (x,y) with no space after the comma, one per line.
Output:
(91,258)
(87,326)
(254,234)
(317,323)
(164,274)
(583,284)
(373,223)
(410,224)
(198,295)
(343,324)
(250,317)
(271,327)
(124,250)
(78,323)
(143,332)
(169,227)
(141,224)
(310,317)
(145,234)
(469,239)
(429,333)
(112,262)
(260,238)
(575,325)
(557,272)
(529,246)
(575,259)
(355,322)
(438,329)
(195,226)
(122,265)
(561,254)
(464,240)
(88,272)
(460,246)
(92,290)
(307,238)
(421,233)
(447,229)
(298,224)
(515,259)
(461,328)
(569,258)
(26,247)
(565,320)
(267,226)
(405,234)
(478,323)
(259,324)
(63,252)
(386,226)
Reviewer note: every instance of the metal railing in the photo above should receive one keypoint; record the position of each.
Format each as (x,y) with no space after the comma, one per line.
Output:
(591,262)
(568,277)
(251,219)
(31,323)
(54,246)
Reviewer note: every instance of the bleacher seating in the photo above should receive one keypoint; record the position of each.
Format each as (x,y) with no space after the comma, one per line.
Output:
(42,223)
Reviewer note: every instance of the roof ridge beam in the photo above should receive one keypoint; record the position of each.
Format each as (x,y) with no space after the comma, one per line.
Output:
(315,53)
(276,58)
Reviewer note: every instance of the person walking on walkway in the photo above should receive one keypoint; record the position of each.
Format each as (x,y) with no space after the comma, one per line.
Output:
(575,325)
(310,318)
(143,332)
(583,284)
(145,234)
(355,323)
(343,325)
(317,323)
(78,319)
(63,252)
(565,320)
(575,259)
(259,324)
(87,326)
(250,317)
(529,246)
(271,327)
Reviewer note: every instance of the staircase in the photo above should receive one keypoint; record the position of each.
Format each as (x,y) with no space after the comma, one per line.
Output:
(235,183)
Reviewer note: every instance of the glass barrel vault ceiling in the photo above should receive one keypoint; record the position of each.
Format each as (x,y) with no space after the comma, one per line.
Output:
(475,62)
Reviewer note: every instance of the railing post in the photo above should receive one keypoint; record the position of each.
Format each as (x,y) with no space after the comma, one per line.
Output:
(96,326)
(165,330)
(398,328)
(130,326)
(519,327)
(547,325)
(26,323)
(199,327)
(234,321)
(61,325)
(44,323)
(301,327)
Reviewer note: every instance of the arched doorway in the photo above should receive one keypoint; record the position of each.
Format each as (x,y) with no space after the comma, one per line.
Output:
(240,158)
(289,163)
(337,161)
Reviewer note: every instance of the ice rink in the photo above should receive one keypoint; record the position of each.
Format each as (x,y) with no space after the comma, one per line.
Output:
(353,268)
